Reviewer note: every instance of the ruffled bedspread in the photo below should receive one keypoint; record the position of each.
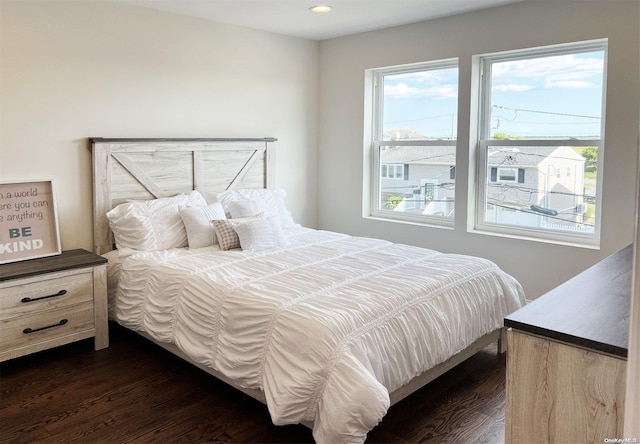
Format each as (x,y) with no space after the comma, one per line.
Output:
(327,327)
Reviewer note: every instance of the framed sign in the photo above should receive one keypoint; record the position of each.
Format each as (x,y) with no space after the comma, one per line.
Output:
(28,221)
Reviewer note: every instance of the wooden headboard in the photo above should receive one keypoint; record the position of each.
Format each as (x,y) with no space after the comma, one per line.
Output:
(142,169)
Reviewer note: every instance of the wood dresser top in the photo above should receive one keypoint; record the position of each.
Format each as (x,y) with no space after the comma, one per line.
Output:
(590,310)
(66,261)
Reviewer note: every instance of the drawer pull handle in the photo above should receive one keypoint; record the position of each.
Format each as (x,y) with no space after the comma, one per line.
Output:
(60,293)
(33,330)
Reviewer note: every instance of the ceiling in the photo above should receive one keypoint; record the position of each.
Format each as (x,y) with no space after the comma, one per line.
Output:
(293,18)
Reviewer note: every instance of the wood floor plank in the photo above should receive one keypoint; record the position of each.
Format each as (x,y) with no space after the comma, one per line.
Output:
(135,392)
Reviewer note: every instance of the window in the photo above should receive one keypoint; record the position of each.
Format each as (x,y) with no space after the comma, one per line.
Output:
(413,142)
(507,174)
(393,171)
(540,142)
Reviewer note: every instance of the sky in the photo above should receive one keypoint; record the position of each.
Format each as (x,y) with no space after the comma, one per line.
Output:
(554,96)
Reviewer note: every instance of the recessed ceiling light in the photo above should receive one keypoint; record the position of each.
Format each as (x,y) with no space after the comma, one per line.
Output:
(320,9)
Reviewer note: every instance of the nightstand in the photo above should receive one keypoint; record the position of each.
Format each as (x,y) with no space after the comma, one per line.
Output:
(52,301)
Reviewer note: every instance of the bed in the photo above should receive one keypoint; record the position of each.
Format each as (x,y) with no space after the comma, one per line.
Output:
(328,330)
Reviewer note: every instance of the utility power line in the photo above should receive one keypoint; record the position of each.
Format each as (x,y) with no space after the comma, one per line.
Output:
(544,112)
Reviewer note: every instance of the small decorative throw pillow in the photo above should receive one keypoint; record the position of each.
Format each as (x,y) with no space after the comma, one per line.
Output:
(227,236)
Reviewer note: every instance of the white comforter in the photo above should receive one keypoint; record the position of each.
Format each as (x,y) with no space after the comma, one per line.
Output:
(326,327)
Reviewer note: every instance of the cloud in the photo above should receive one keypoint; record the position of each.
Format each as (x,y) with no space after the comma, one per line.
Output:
(428,84)
(570,84)
(564,71)
(433,77)
(404,91)
(513,87)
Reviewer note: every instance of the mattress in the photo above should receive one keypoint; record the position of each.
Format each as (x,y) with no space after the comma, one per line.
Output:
(326,327)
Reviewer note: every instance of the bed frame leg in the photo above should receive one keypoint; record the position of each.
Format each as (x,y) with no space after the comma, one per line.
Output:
(502,341)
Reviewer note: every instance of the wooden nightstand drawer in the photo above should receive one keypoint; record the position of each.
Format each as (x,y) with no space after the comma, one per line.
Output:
(46,292)
(46,326)
(53,301)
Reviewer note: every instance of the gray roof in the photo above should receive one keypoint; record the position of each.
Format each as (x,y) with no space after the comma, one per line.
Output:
(523,156)
(440,155)
(530,156)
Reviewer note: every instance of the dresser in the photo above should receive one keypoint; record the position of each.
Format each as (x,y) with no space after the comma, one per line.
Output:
(566,359)
(51,301)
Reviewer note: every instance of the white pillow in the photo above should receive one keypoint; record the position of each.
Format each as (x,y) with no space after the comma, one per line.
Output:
(246,208)
(271,201)
(258,234)
(199,226)
(149,225)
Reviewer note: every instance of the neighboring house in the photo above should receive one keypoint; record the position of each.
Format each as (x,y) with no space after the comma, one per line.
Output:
(423,176)
(537,187)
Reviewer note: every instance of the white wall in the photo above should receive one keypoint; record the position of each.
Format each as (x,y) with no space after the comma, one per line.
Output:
(538,266)
(632,398)
(73,70)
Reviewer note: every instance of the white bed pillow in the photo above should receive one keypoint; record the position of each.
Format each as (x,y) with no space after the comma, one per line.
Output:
(199,226)
(271,201)
(227,236)
(149,225)
(245,208)
(259,234)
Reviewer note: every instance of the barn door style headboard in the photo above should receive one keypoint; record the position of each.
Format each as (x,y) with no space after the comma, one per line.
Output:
(142,169)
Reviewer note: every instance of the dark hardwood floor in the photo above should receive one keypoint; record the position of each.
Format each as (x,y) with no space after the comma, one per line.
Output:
(135,392)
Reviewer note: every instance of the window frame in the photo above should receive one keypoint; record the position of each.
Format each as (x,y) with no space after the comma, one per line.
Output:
(477,222)
(376,107)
